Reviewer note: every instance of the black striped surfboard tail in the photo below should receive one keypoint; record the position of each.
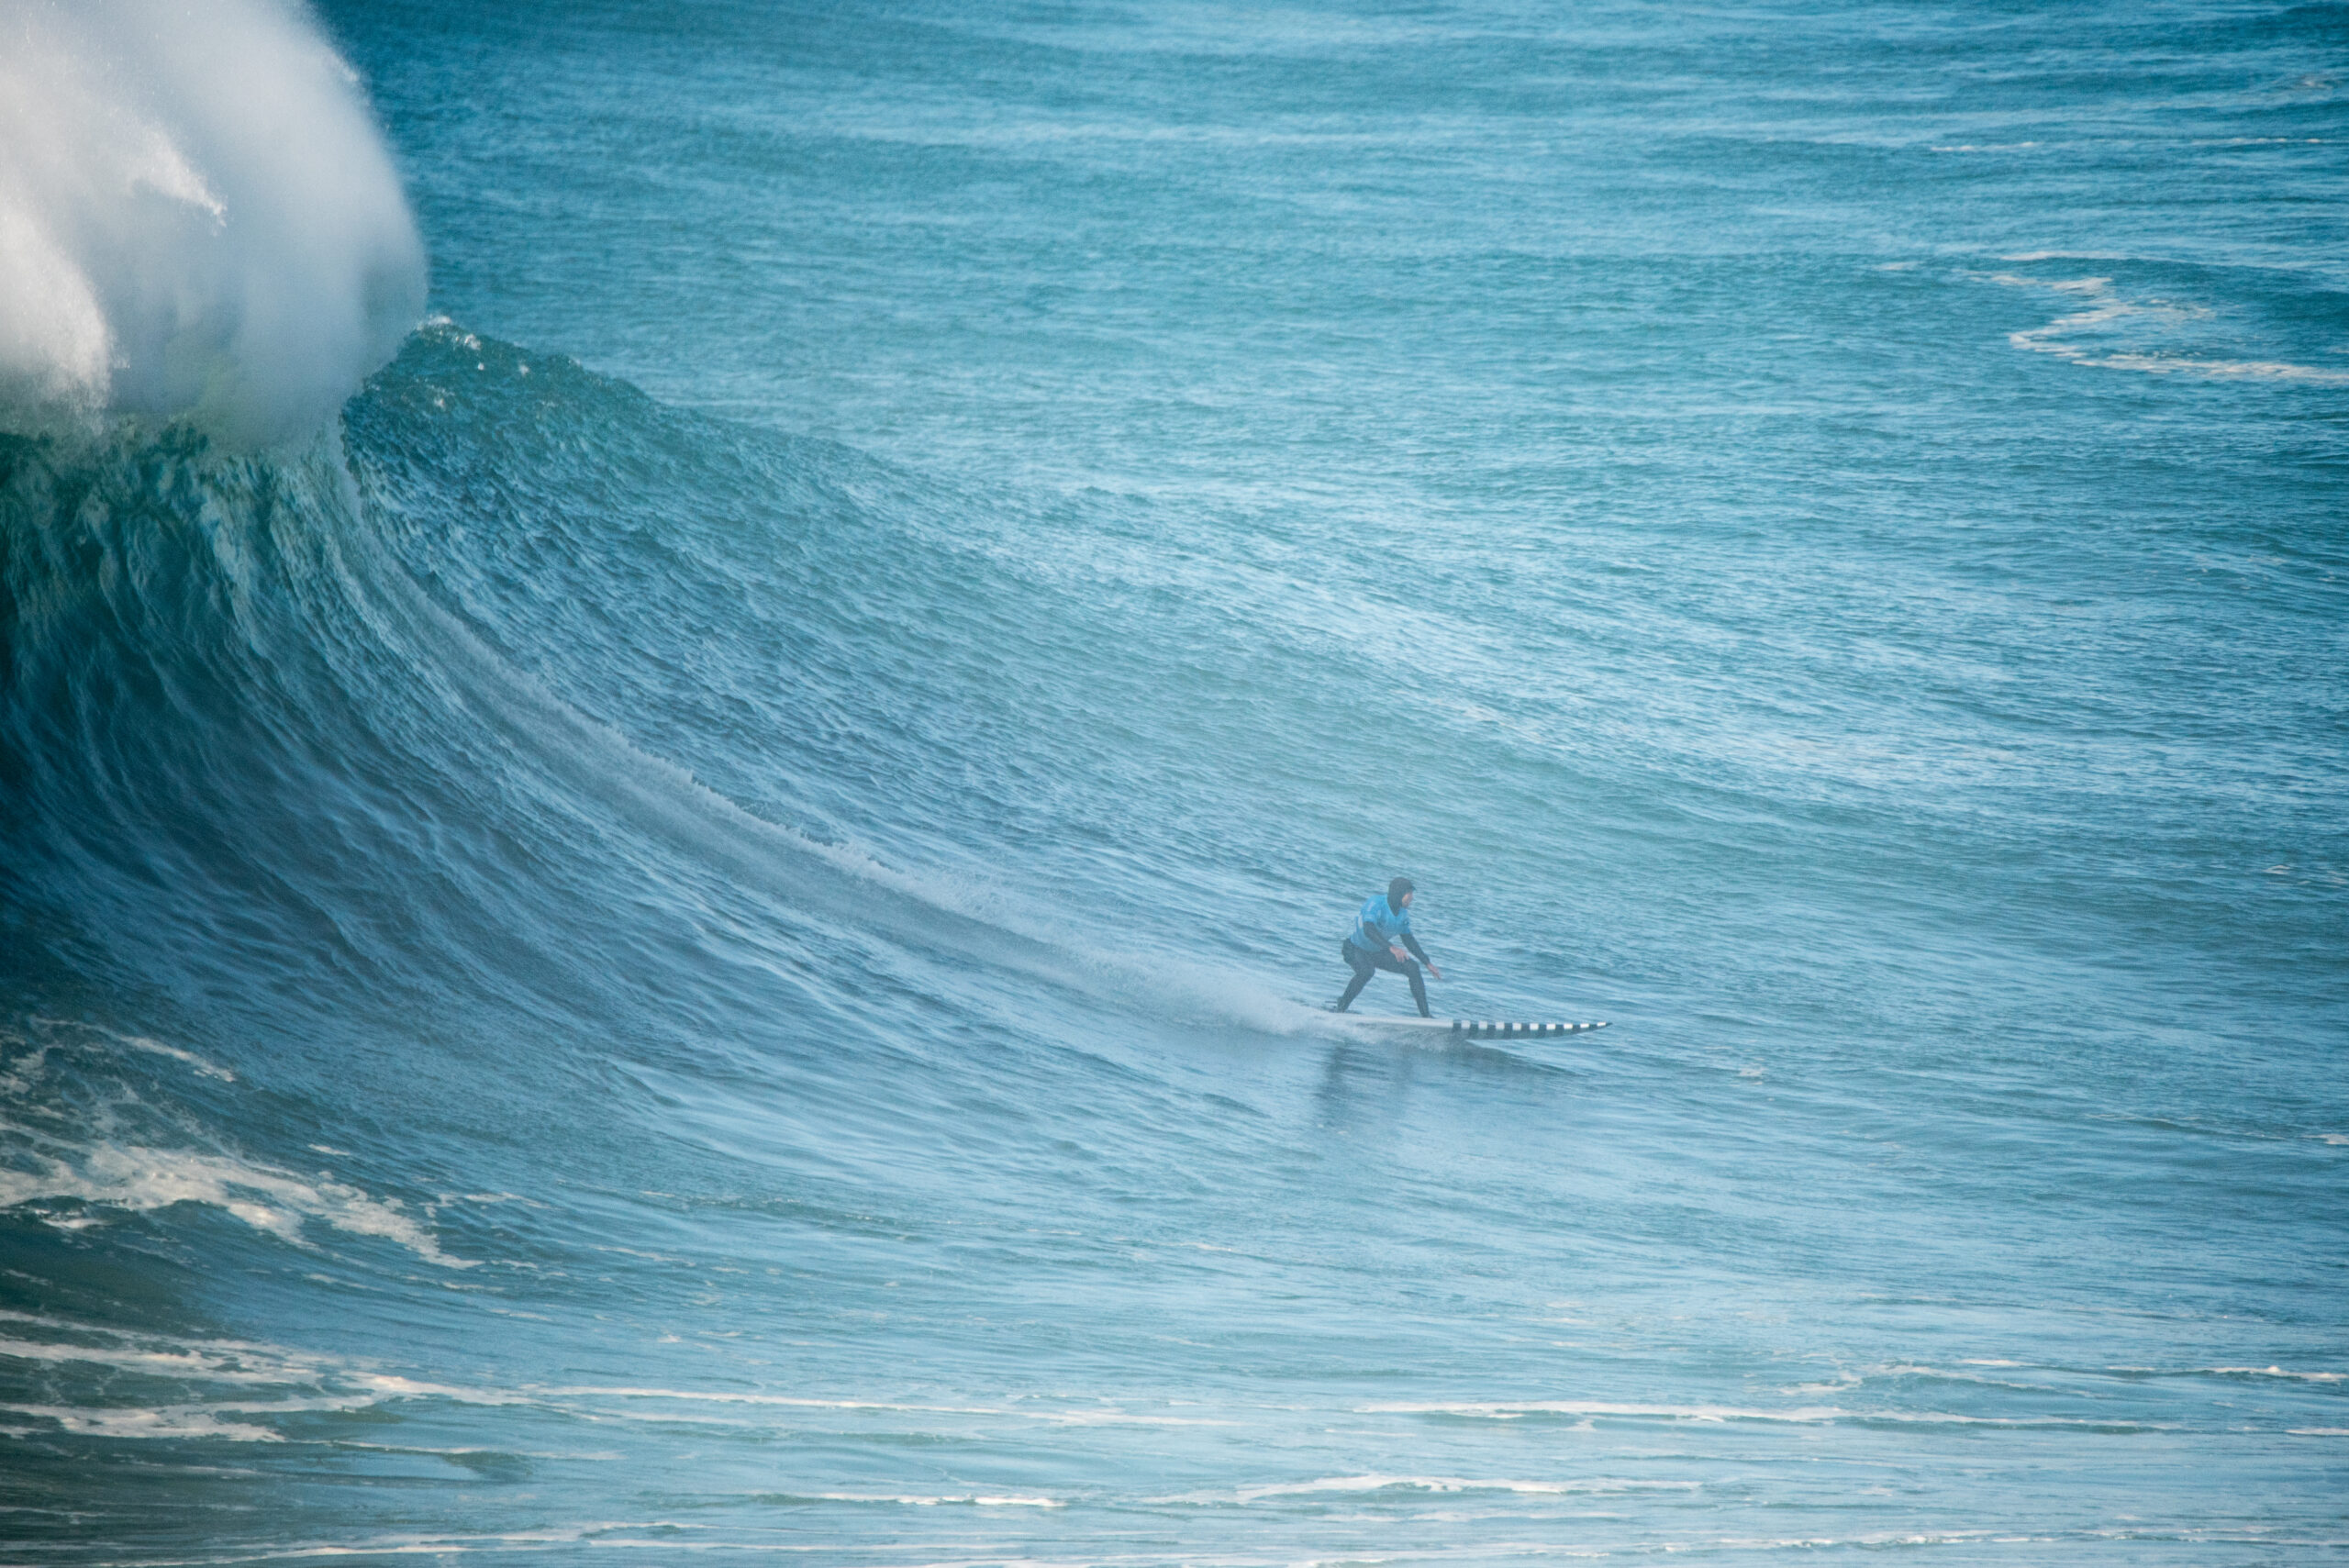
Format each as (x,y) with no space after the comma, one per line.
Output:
(1503,1026)
(1471,1026)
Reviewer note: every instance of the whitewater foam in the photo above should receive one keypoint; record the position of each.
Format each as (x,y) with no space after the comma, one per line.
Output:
(139,1421)
(141,1179)
(211,1363)
(140,1042)
(1446,1483)
(197,219)
(1813,1414)
(2083,336)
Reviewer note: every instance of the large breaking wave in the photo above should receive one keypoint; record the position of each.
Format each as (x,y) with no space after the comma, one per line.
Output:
(198,219)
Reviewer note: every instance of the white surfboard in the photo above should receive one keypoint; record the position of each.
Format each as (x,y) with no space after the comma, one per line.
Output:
(1471,1026)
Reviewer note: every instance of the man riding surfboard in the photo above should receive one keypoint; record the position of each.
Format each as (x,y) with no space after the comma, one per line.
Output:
(1382,931)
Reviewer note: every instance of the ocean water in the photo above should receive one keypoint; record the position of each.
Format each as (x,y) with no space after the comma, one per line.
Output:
(692,928)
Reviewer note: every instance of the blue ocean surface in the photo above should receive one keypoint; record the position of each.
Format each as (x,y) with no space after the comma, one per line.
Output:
(694,928)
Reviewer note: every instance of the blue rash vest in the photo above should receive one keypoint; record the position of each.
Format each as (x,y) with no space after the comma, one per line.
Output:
(1378,928)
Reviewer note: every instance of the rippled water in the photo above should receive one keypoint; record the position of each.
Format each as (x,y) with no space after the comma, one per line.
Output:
(702,930)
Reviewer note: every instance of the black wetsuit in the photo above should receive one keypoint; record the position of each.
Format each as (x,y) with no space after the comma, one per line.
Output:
(1367,963)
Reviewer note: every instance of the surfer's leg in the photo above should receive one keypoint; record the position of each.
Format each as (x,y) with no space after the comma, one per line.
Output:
(1409,970)
(1363,969)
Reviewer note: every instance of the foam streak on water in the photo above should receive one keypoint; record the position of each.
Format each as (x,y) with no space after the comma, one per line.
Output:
(701,929)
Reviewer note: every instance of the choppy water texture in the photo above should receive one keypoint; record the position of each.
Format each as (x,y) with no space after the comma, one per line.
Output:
(699,930)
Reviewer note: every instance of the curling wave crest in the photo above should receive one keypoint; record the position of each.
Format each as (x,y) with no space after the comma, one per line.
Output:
(198,219)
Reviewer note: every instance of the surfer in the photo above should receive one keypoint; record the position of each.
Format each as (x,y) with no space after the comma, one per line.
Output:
(1381,933)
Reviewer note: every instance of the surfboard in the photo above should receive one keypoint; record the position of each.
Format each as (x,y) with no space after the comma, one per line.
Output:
(1471,1026)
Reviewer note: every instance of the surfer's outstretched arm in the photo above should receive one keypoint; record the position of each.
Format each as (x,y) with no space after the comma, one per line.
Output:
(1420,954)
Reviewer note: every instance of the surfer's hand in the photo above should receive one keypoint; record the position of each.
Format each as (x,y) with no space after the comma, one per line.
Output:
(1401,956)
(1433,971)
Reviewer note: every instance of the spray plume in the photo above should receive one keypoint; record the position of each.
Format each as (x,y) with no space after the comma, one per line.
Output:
(198,219)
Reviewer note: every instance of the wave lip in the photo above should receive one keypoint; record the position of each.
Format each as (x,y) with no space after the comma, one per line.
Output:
(198,219)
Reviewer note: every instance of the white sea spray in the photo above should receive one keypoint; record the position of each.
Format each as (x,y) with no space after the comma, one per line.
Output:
(198,219)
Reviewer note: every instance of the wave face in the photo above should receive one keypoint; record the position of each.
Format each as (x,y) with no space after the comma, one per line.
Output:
(719,952)
(197,219)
